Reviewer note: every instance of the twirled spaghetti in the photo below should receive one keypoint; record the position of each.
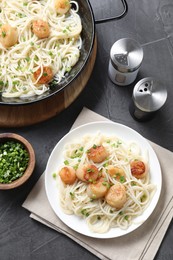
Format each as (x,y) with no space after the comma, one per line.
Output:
(60,50)
(99,215)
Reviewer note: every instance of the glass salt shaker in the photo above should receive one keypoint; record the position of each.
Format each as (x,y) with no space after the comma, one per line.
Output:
(126,56)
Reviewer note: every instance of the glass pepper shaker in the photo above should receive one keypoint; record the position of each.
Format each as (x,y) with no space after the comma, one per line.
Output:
(149,95)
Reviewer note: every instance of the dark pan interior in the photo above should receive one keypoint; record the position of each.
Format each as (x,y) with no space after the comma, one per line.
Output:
(88,33)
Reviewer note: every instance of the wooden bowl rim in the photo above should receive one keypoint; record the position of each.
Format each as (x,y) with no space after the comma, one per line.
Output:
(31,165)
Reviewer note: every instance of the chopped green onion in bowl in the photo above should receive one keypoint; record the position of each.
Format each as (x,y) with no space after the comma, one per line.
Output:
(17,160)
(14,160)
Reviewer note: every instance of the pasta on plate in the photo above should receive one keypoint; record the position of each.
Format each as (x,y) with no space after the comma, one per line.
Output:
(104,180)
(40,42)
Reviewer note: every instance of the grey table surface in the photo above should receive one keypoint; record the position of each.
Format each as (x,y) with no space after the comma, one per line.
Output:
(150,22)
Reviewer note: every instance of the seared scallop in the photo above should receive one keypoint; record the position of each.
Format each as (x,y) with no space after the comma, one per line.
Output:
(87,173)
(41,29)
(139,169)
(116,196)
(98,190)
(68,175)
(8,35)
(43,76)
(62,6)
(97,153)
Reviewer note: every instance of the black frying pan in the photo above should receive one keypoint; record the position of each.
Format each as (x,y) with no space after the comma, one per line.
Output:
(88,35)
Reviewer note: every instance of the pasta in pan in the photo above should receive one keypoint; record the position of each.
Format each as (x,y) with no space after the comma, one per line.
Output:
(104,180)
(39,43)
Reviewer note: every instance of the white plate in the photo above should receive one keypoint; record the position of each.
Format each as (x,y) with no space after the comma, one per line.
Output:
(56,159)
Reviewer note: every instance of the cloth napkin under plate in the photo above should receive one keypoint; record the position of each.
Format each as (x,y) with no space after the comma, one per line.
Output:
(141,244)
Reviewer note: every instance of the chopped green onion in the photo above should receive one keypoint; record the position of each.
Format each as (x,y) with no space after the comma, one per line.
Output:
(54,175)
(84,212)
(122,179)
(14,160)
(66,162)
(3,34)
(72,195)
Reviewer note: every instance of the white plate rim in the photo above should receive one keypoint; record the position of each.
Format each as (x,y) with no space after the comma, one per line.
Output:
(78,224)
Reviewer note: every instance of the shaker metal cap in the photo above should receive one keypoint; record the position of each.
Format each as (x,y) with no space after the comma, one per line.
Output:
(126,55)
(149,95)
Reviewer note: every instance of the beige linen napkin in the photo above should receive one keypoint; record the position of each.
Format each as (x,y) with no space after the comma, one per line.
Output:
(141,244)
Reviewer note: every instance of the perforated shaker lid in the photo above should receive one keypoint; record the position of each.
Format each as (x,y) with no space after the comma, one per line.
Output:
(149,94)
(126,55)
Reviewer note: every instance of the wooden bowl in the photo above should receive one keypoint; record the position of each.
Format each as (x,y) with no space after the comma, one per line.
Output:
(31,164)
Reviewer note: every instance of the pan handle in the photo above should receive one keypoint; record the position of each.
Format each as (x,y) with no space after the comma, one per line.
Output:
(115,17)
